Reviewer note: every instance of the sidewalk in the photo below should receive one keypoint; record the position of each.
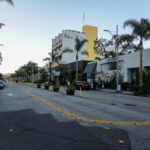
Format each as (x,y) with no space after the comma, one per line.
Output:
(114,91)
(62,89)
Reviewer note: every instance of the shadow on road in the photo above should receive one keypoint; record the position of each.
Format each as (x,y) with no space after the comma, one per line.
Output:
(32,131)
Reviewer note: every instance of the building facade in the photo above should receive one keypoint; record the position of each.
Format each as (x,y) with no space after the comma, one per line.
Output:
(91,33)
(66,40)
(128,66)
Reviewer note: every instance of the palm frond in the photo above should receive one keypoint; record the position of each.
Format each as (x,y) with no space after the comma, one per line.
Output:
(67,50)
(46,59)
(79,43)
(132,23)
(98,58)
(85,53)
(1,25)
(1,58)
(9,2)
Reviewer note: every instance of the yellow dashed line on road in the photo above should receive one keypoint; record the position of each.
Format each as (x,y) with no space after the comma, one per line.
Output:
(70,114)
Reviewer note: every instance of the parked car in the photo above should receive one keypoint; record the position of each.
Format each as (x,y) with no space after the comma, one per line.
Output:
(38,81)
(86,85)
(1,84)
(4,81)
(82,84)
(51,83)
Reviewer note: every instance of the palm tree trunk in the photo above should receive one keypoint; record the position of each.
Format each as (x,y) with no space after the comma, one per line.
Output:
(141,64)
(76,66)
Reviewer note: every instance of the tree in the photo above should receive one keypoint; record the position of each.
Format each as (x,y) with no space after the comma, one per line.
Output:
(26,70)
(140,32)
(101,48)
(1,58)
(78,46)
(42,73)
(8,1)
(51,59)
(1,75)
(1,24)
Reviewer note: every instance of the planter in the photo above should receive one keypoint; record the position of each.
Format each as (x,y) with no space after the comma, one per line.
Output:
(55,89)
(46,87)
(38,86)
(69,92)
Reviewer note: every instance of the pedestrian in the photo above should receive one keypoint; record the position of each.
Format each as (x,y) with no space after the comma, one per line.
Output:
(68,83)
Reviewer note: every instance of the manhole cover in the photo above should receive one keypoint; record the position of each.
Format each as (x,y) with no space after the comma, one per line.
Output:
(129,105)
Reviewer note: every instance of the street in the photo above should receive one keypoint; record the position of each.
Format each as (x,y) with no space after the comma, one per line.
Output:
(38,119)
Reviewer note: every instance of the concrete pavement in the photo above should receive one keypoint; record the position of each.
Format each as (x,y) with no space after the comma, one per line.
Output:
(36,124)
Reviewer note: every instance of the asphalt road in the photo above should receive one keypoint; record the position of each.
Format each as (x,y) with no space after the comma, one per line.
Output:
(36,119)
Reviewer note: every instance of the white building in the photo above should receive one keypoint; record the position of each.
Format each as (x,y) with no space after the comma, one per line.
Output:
(128,66)
(66,40)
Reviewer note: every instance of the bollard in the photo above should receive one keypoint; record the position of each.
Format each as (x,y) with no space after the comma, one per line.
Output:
(80,91)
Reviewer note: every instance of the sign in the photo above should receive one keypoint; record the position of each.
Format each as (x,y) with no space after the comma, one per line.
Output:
(56,73)
(90,77)
(68,36)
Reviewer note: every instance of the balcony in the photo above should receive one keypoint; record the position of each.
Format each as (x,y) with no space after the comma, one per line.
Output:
(59,45)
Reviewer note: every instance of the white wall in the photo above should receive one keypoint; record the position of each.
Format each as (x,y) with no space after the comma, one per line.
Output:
(126,62)
(69,42)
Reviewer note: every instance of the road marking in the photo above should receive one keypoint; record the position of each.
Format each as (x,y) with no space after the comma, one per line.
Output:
(121,141)
(109,99)
(106,128)
(11,130)
(10,94)
(70,114)
(120,101)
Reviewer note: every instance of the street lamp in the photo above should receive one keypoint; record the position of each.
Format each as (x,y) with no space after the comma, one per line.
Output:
(116,49)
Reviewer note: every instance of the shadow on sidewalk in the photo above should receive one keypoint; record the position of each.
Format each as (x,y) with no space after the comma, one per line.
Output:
(32,131)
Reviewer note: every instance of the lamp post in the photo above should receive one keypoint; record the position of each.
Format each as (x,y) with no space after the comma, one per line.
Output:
(116,49)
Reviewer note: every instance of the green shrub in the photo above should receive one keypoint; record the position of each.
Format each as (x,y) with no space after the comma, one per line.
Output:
(138,90)
(46,85)
(71,88)
(1,75)
(39,85)
(124,86)
(56,86)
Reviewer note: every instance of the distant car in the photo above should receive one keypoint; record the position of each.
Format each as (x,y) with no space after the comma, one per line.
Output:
(86,85)
(39,81)
(51,83)
(82,84)
(2,84)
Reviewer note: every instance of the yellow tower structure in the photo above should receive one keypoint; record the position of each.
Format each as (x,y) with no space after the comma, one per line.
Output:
(91,35)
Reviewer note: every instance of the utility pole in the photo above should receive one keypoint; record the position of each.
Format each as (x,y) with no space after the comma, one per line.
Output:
(116,49)
(32,74)
(117,73)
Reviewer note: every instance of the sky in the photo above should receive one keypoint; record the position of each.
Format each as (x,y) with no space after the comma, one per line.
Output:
(31,24)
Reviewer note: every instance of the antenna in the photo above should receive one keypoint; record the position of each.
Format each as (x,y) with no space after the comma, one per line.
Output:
(83,19)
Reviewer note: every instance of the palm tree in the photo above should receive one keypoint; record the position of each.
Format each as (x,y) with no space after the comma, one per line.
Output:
(140,32)
(9,2)
(78,46)
(1,24)
(1,58)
